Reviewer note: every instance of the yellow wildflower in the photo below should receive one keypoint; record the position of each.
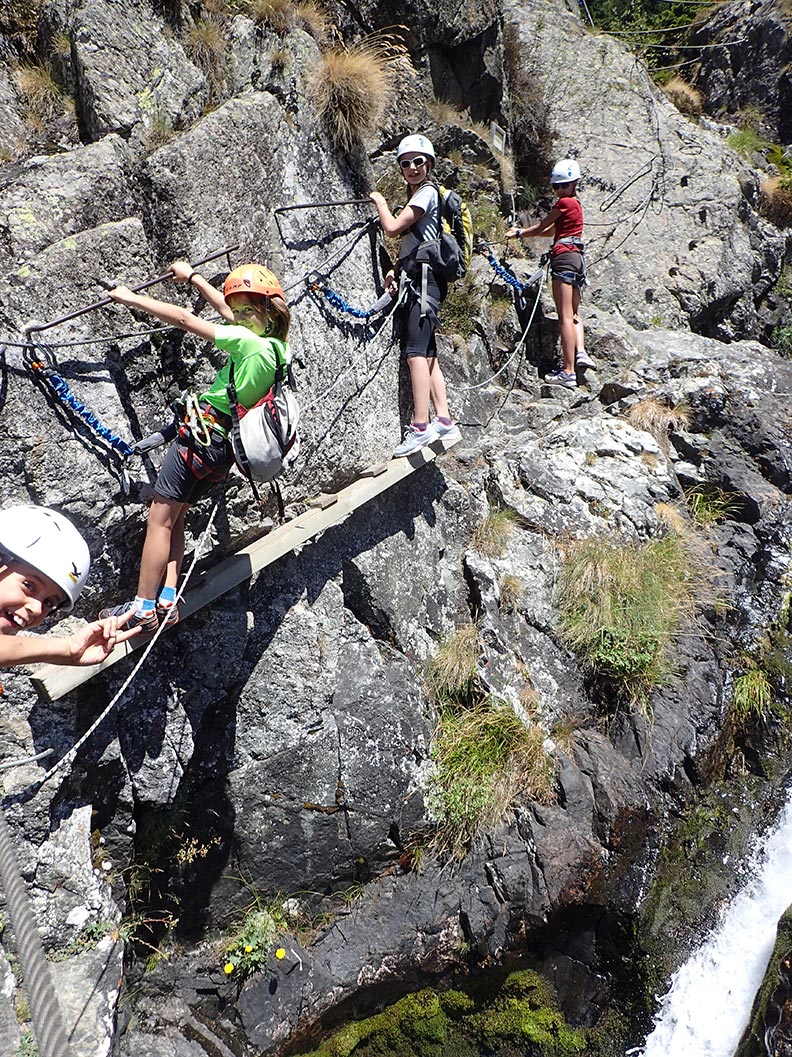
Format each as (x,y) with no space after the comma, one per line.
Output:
(280,952)
(228,968)
(248,949)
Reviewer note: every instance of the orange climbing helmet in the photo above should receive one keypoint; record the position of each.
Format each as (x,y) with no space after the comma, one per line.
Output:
(252,279)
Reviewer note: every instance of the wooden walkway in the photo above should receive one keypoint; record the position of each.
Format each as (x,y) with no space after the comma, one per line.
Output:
(54,680)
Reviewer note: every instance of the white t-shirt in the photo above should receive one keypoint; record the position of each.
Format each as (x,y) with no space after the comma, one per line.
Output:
(425,198)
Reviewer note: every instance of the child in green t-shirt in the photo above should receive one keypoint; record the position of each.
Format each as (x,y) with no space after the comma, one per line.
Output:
(255,337)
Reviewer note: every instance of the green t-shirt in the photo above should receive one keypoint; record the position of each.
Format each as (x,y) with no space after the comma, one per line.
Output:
(255,361)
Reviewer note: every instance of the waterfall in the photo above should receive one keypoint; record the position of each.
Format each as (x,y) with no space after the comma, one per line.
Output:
(708,1004)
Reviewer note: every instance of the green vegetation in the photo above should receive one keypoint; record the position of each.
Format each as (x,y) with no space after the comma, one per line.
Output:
(452,674)
(709,505)
(491,536)
(352,86)
(634,20)
(621,605)
(27,1045)
(752,693)
(462,308)
(782,339)
(250,947)
(518,1016)
(484,757)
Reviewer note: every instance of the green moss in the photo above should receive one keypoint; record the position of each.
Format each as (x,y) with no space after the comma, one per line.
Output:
(519,1010)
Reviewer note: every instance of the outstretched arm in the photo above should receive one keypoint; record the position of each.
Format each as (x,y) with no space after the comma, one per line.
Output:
(91,645)
(173,315)
(541,227)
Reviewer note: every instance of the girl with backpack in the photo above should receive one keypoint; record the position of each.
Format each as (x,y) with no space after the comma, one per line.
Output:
(255,336)
(421,291)
(567,267)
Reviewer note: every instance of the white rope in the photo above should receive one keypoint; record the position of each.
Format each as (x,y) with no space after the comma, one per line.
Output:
(67,758)
(517,347)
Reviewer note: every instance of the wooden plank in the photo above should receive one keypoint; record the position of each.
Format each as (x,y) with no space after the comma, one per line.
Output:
(54,680)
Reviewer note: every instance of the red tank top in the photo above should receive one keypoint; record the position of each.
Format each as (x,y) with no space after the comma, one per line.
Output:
(568,224)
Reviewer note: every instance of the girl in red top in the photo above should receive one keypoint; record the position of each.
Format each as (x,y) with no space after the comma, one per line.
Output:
(567,269)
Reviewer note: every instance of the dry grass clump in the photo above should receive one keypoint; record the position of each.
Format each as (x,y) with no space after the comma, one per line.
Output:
(42,97)
(452,674)
(491,536)
(621,606)
(776,200)
(485,759)
(658,418)
(283,15)
(205,43)
(353,85)
(511,591)
(687,99)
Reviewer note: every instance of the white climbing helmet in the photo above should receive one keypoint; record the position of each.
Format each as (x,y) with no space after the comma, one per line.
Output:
(49,542)
(417,144)
(566,169)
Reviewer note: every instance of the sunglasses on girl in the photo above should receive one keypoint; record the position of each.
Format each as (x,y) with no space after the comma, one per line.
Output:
(417,162)
(564,183)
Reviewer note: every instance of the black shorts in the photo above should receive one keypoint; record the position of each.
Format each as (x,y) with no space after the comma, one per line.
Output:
(189,471)
(568,267)
(416,332)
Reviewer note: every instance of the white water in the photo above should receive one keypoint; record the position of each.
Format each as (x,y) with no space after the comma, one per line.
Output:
(710,998)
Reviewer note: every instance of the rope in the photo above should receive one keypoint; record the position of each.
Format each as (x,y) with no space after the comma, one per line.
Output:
(517,348)
(68,398)
(70,755)
(45,1013)
(508,275)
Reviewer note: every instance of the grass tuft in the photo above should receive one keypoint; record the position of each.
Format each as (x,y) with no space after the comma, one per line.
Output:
(753,694)
(620,607)
(491,536)
(776,200)
(485,758)
(658,418)
(709,505)
(353,85)
(452,674)
(687,99)
(206,45)
(511,591)
(42,97)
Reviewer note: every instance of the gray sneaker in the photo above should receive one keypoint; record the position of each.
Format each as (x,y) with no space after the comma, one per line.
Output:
(559,377)
(414,440)
(584,361)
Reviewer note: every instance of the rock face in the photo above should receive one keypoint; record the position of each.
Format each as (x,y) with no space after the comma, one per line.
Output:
(277,744)
(745,65)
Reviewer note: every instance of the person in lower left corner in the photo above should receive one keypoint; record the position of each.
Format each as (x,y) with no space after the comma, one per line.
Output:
(44,562)
(567,268)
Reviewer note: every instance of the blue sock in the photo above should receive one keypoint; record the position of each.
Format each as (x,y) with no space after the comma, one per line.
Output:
(144,605)
(420,426)
(444,421)
(166,596)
